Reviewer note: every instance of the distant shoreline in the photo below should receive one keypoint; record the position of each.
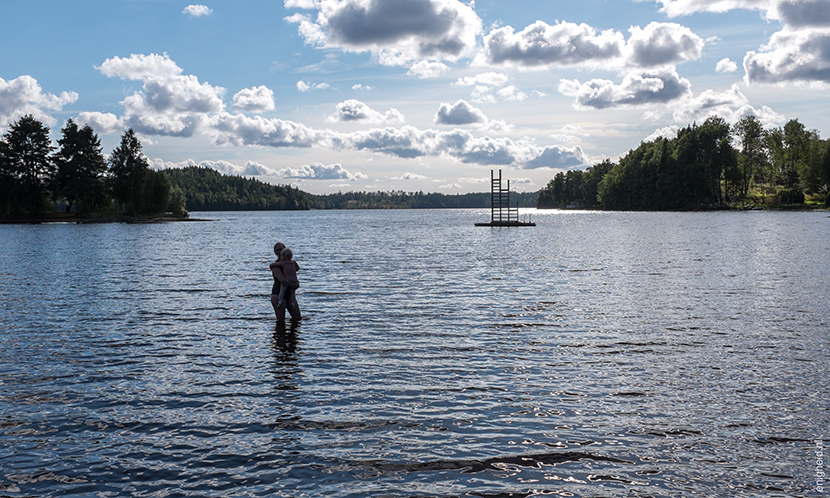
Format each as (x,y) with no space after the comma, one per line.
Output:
(74,219)
(122,218)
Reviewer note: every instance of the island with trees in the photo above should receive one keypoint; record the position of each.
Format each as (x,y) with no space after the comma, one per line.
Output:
(708,166)
(75,181)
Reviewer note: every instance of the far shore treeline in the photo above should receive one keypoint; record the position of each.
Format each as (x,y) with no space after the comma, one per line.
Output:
(209,190)
(708,166)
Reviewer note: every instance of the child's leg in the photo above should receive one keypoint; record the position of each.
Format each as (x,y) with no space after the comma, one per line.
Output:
(281,300)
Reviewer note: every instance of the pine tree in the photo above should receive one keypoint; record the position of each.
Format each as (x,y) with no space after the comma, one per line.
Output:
(80,168)
(128,169)
(28,163)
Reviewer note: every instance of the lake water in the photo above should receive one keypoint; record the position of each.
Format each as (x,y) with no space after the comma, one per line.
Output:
(597,354)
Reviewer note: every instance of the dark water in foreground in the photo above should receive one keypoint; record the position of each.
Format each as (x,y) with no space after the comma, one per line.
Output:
(598,354)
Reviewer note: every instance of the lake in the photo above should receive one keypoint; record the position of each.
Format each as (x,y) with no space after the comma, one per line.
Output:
(596,354)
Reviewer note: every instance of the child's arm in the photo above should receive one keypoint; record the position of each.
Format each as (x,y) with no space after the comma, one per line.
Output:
(276,264)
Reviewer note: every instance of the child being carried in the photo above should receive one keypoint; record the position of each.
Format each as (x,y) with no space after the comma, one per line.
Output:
(289,269)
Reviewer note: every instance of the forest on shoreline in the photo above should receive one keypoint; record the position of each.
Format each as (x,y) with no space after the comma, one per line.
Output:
(710,166)
(208,190)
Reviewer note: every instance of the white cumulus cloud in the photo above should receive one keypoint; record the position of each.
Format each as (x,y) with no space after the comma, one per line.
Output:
(170,103)
(799,56)
(657,86)
(558,157)
(23,95)
(426,69)
(675,8)
(541,45)
(251,168)
(511,93)
(666,132)
(355,110)
(732,105)
(396,31)
(301,4)
(409,176)
(197,10)
(239,129)
(661,44)
(726,66)
(489,78)
(257,99)
(140,67)
(104,123)
(306,86)
(319,171)
(460,113)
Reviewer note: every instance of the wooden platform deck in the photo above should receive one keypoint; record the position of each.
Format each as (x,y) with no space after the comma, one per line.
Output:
(512,223)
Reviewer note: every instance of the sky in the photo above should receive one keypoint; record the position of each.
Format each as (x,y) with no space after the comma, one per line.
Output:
(431,95)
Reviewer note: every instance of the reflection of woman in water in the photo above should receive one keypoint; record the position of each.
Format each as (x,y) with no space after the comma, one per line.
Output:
(289,299)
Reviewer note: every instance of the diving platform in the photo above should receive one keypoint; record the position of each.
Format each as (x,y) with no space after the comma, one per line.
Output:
(501,214)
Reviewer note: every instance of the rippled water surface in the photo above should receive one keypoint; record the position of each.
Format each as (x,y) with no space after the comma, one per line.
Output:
(597,354)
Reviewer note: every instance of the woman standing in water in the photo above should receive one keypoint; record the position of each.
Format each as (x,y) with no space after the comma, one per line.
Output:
(289,298)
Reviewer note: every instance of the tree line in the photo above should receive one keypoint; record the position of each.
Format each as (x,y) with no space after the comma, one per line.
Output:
(206,189)
(35,176)
(704,166)
(398,199)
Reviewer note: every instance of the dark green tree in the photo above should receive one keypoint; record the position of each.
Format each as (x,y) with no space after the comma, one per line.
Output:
(811,173)
(128,172)
(178,202)
(752,161)
(716,155)
(775,152)
(27,160)
(553,195)
(155,195)
(574,188)
(788,150)
(80,168)
(593,177)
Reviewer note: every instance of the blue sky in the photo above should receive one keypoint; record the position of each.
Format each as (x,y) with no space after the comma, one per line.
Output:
(339,95)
